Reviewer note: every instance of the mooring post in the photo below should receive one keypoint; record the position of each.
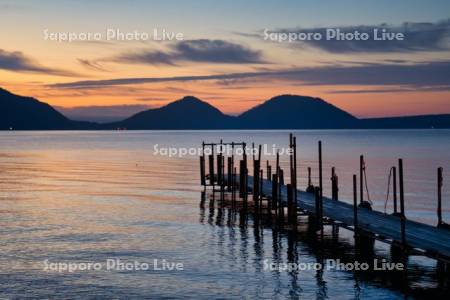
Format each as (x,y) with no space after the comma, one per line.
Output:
(320,171)
(259,152)
(256,182)
(268,171)
(202,171)
(361,178)
(222,188)
(290,203)
(334,184)
(219,169)
(211,169)
(439,194)
(394,188)
(317,207)
(295,179)
(310,187)
(355,205)
(233,186)
(280,202)
(230,172)
(261,179)
(281,177)
(274,192)
(402,203)
(291,160)
(202,167)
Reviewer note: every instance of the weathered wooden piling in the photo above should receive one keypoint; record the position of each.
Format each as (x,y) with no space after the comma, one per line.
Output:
(202,171)
(310,187)
(440,180)
(361,179)
(394,188)
(211,169)
(290,202)
(275,189)
(229,172)
(318,208)
(355,204)
(334,184)
(219,169)
(256,183)
(402,204)
(320,170)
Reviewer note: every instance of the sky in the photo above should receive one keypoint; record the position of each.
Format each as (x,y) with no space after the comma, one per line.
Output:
(223,54)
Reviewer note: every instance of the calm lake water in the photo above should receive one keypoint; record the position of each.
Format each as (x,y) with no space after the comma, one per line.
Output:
(93,196)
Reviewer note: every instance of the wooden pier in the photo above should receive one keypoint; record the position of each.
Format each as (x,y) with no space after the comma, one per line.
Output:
(285,202)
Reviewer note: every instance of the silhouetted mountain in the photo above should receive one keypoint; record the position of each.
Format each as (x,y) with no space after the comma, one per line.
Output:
(186,113)
(425,121)
(296,112)
(26,113)
(281,112)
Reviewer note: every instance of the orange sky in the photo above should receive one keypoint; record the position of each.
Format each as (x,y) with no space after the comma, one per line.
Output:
(33,66)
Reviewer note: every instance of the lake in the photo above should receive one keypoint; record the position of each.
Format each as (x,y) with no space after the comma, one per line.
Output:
(93,197)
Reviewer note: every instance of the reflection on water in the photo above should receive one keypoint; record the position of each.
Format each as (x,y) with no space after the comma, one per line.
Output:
(90,196)
(421,278)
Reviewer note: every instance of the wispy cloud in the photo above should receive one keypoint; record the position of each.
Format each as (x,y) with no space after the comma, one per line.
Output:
(92,65)
(202,50)
(435,73)
(18,62)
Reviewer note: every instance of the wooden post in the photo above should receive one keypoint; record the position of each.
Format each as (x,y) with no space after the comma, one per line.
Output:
(229,173)
(355,204)
(402,203)
(261,179)
(259,152)
(295,178)
(320,170)
(219,169)
(361,179)
(334,184)
(233,186)
(241,178)
(202,171)
(274,191)
(318,207)
(269,171)
(394,189)
(211,169)
(309,177)
(290,202)
(280,184)
(439,194)
(256,182)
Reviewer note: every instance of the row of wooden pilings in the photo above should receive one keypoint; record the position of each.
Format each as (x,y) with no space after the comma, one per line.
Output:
(222,182)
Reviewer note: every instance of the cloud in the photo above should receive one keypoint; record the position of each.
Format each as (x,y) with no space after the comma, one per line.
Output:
(16,61)
(202,50)
(443,88)
(93,65)
(418,37)
(426,74)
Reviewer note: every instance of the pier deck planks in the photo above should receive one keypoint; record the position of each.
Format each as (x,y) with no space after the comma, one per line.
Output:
(434,240)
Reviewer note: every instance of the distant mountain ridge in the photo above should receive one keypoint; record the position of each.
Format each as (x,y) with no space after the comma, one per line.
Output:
(296,112)
(26,113)
(280,112)
(186,113)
